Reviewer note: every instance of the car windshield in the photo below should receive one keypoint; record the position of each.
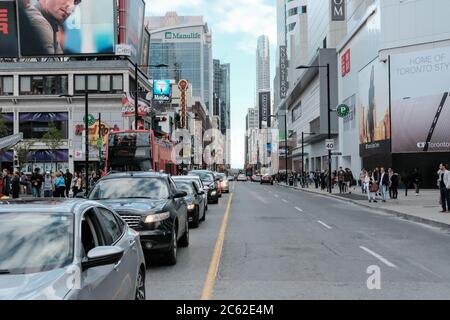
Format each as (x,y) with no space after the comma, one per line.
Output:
(185,186)
(130,188)
(35,242)
(204,176)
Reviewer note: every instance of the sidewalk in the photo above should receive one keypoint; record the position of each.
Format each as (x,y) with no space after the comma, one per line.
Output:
(423,208)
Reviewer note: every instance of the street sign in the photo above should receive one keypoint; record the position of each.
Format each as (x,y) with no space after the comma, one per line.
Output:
(336,154)
(343,111)
(329,144)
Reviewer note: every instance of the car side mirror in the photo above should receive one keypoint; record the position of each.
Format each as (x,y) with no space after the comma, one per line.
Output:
(180,194)
(102,256)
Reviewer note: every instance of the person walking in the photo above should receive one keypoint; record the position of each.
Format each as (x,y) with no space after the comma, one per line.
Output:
(60,185)
(341,180)
(371,186)
(68,179)
(393,183)
(15,185)
(6,183)
(444,187)
(384,184)
(48,185)
(416,180)
(76,184)
(36,181)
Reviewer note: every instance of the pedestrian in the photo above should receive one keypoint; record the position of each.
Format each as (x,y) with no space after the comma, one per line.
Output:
(15,185)
(6,183)
(24,183)
(444,187)
(341,180)
(76,184)
(406,180)
(362,178)
(371,186)
(48,185)
(348,178)
(317,178)
(36,181)
(68,180)
(93,180)
(59,186)
(393,184)
(384,184)
(416,179)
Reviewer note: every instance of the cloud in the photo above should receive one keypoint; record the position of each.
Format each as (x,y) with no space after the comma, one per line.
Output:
(245,19)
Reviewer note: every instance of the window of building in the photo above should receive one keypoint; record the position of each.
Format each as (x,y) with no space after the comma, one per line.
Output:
(293,12)
(43,85)
(6,86)
(303,9)
(297,112)
(8,120)
(104,83)
(36,125)
(292,26)
(325,43)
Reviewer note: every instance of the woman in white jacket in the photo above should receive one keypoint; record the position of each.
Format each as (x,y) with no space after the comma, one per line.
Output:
(369,183)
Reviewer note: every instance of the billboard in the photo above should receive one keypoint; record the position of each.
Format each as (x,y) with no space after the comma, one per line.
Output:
(145,51)
(55,27)
(264,109)
(162,90)
(284,84)
(135,28)
(8,30)
(420,101)
(374,115)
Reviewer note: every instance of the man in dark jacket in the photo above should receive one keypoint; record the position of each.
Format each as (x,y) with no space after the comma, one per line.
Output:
(6,183)
(15,185)
(384,184)
(68,177)
(416,179)
(393,184)
(36,182)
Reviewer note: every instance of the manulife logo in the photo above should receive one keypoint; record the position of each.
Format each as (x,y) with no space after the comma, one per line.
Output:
(173,35)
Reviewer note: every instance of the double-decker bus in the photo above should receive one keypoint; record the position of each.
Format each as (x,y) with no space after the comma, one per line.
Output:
(138,150)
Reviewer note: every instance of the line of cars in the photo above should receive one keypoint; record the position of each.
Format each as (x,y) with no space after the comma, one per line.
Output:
(97,248)
(262,179)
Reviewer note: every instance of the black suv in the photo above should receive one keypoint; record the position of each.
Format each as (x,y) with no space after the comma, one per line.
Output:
(209,181)
(152,205)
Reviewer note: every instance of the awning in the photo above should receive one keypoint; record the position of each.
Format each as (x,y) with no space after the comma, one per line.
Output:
(11,141)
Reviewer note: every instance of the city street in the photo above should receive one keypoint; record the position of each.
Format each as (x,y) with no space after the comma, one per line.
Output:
(285,244)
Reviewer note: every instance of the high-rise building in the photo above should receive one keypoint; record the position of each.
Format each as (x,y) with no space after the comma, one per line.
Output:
(263,64)
(184,43)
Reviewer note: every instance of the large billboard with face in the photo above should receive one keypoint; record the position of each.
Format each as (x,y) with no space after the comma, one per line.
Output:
(374,115)
(420,101)
(135,27)
(8,30)
(67,27)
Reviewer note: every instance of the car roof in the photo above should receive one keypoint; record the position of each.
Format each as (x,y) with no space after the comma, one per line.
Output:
(119,175)
(46,206)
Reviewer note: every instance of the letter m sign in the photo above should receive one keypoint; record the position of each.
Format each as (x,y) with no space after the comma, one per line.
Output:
(337,10)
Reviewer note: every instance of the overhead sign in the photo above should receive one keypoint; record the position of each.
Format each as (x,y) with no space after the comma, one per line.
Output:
(343,111)
(284,84)
(183,85)
(8,30)
(329,144)
(123,50)
(11,141)
(162,90)
(337,10)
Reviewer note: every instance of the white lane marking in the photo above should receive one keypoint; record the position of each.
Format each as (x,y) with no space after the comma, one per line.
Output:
(325,225)
(284,200)
(379,257)
(298,209)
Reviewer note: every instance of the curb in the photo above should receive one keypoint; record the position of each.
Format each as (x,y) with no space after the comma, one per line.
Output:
(402,215)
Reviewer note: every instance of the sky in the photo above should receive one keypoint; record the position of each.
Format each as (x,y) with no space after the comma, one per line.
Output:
(235,27)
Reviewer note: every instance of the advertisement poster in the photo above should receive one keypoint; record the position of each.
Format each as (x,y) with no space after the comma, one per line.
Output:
(67,27)
(145,52)
(8,30)
(135,27)
(264,110)
(374,115)
(420,101)
(162,90)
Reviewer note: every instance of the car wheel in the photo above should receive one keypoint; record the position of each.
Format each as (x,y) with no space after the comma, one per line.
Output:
(171,256)
(140,286)
(184,241)
(196,221)
(204,215)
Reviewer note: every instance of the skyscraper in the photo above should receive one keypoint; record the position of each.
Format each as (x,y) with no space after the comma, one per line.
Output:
(263,64)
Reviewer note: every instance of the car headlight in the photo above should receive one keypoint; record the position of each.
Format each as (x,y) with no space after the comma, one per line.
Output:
(213,193)
(157,217)
(191,206)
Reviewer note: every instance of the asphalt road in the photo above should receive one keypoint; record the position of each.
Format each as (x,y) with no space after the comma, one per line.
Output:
(285,244)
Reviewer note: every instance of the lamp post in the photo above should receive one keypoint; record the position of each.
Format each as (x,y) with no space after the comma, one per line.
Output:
(86,130)
(285,142)
(329,117)
(303,155)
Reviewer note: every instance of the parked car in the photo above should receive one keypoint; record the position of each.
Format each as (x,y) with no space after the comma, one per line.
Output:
(194,199)
(209,182)
(68,250)
(225,185)
(200,185)
(256,178)
(152,205)
(218,180)
(266,179)
(242,177)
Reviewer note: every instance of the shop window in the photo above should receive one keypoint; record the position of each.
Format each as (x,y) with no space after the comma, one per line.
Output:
(36,125)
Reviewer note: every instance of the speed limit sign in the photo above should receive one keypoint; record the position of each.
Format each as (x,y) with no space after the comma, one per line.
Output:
(329,144)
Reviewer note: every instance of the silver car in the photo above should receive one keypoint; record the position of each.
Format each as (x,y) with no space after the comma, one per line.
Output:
(68,250)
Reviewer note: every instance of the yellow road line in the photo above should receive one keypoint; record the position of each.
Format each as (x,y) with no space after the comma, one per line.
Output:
(208,288)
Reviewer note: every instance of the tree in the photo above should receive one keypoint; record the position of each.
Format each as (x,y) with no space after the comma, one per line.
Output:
(53,139)
(4,132)
(23,150)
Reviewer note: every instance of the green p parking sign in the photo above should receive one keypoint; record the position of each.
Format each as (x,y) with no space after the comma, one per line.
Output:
(343,111)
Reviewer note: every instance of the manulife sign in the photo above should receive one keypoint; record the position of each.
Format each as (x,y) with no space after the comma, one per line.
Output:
(175,36)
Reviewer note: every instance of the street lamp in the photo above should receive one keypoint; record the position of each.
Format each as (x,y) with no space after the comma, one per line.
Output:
(329,116)
(136,77)
(285,142)
(303,155)
(86,129)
